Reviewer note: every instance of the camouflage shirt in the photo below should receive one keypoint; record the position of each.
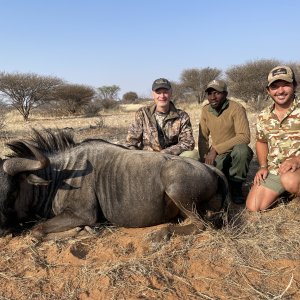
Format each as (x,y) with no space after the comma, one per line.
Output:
(282,137)
(174,135)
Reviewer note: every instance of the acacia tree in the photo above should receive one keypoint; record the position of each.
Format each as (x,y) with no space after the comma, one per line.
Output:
(130,97)
(26,91)
(248,81)
(296,68)
(178,92)
(73,97)
(196,80)
(109,92)
(3,111)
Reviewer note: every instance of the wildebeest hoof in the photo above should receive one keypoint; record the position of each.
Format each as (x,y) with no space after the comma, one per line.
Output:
(5,232)
(37,234)
(71,233)
(161,235)
(40,236)
(89,230)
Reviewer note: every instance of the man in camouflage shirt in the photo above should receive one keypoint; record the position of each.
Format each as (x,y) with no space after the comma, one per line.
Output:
(278,142)
(161,127)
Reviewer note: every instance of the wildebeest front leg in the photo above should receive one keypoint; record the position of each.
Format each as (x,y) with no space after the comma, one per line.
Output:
(62,222)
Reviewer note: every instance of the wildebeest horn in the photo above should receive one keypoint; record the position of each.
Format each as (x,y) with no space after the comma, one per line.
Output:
(16,165)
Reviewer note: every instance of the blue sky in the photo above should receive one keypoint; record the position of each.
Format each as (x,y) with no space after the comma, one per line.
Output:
(130,43)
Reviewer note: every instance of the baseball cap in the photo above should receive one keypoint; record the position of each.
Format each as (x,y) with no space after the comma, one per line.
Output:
(161,83)
(281,73)
(218,85)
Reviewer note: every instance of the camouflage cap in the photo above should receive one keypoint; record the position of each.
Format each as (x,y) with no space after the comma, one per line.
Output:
(161,83)
(281,73)
(218,85)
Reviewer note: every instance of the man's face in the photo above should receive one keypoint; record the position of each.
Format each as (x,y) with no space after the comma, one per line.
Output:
(216,98)
(162,99)
(282,92)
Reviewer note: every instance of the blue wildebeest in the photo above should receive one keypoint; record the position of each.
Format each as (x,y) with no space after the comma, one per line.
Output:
(69,185)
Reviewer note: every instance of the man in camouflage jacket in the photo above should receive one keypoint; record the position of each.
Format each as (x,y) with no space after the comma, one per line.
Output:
(278,142)
(161,127)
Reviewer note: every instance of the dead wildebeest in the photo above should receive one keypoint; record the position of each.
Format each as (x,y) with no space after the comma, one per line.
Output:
(72,185)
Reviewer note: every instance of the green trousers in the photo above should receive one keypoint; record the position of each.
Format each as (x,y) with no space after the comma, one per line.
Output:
(235,164)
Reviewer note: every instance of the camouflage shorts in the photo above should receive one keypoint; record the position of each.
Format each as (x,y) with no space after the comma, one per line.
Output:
(273,183)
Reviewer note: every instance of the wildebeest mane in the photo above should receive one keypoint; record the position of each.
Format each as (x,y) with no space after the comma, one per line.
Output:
(47,141)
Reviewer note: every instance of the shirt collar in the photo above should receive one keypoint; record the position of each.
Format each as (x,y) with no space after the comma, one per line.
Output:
(218,112)
(172,112)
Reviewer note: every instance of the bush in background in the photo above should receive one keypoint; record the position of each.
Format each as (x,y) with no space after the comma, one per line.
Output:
(4,109)
(130,97)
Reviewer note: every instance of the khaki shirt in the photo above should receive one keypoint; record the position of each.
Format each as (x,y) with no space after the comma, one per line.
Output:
(282,137)
(175,136)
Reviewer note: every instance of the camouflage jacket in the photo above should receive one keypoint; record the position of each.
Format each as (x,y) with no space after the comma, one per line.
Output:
(282,137)
(176,130)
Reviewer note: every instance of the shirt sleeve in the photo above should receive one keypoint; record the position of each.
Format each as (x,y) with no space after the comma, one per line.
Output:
(203,138)
(260,133)
(134,139)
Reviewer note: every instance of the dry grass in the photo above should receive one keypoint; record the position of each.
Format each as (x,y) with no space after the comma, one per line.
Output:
(254,256)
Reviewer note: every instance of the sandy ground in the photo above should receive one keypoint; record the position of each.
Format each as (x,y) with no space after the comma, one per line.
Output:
(257,259)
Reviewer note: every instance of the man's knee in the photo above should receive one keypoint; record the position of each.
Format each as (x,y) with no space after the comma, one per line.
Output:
(242,151)
(291,182)
(252,201)
(260,198)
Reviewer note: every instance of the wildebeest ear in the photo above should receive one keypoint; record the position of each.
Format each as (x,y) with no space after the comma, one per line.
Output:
(35,180)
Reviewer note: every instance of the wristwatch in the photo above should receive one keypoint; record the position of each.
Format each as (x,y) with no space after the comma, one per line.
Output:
(263,166)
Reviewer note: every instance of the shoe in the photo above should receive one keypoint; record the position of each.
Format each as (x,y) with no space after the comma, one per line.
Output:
(237,192)
(238,199)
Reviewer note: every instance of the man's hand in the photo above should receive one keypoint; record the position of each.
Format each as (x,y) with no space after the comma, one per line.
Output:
(211,156)
(289,165)
(260,176)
